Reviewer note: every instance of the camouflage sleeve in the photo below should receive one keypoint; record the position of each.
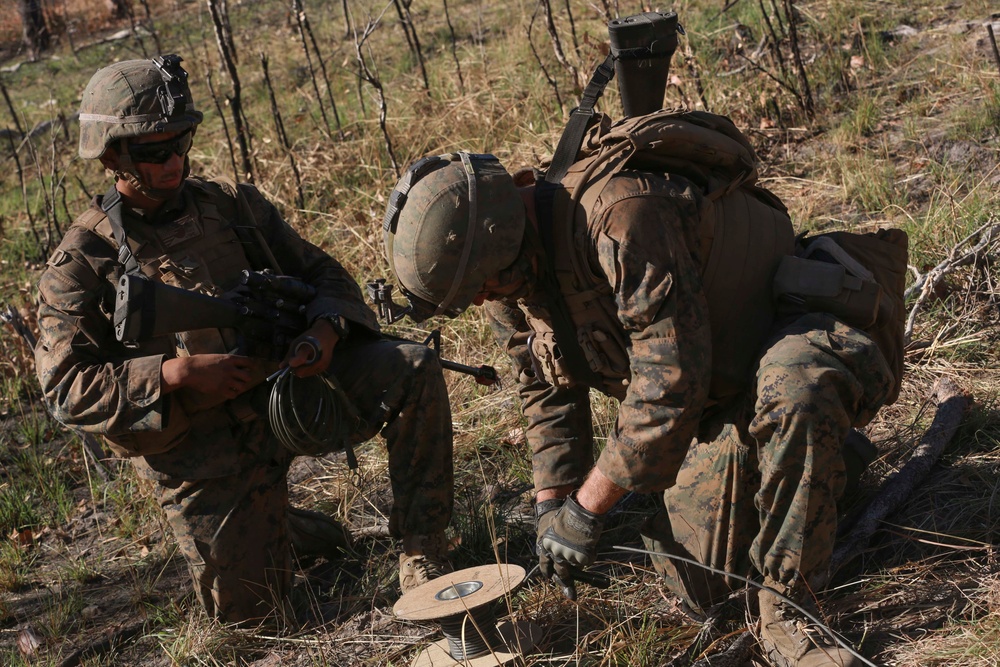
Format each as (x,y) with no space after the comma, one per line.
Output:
(559,428)
(338,291)
(644,248)
(89,380)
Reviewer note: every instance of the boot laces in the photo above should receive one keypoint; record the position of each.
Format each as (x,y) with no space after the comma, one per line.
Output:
(801,629)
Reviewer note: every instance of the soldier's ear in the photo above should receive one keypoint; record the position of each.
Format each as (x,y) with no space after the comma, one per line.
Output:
(110,159)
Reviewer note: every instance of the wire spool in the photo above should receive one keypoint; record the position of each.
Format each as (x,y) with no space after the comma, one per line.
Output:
(462,603)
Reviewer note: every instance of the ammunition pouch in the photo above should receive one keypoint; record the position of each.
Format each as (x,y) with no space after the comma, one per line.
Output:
(857,278)
(822,277)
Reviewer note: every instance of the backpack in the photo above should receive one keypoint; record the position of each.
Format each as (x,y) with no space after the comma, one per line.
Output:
(755,266)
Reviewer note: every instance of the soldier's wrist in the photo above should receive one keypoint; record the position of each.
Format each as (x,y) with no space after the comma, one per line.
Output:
(338,322)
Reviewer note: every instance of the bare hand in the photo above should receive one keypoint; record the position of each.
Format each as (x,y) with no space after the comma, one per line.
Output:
(222,375)
(302,353)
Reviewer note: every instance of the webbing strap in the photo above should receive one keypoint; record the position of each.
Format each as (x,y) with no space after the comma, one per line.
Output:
(562,321)
(579,121)
(112,207)
(463,261)
(545,192)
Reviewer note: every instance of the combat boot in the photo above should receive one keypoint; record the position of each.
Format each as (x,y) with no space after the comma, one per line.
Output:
(790,639)
(316,534)
(424,557)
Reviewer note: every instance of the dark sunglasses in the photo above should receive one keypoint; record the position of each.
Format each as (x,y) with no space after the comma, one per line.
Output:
(158,152)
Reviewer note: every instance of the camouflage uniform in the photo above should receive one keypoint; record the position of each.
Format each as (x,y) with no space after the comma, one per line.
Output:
(220,473)
(748,480)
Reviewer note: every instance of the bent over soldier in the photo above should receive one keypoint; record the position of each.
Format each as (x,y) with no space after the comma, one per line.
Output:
(189,412)
(626,281)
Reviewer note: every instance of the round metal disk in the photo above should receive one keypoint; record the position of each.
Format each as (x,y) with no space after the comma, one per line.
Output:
(518,639)
(458,592)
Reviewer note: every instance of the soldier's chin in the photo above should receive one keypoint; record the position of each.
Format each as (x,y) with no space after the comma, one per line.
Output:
(173,184)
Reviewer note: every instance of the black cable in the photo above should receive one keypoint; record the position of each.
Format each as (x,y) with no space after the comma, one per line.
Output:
(311,416)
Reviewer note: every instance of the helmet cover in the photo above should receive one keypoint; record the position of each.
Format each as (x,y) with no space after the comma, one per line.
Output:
(453,221)
(133,98)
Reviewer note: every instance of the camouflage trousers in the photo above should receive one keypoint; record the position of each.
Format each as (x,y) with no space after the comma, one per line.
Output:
(233,530)
(757,493)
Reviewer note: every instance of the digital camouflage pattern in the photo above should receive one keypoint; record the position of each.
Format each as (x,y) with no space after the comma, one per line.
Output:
(817,379)
(646,246)
(751,482)
(220,471)
(398,390)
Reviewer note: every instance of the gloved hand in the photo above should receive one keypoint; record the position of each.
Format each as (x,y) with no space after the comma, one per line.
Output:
(567,542)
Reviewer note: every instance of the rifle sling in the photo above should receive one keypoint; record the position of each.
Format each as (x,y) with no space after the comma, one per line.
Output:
(579,122)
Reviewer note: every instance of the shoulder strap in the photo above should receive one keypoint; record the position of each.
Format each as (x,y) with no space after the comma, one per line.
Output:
(562,321)
(112,207)
(579,121)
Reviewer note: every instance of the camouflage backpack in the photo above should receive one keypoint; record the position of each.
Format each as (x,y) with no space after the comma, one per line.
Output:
(753,269)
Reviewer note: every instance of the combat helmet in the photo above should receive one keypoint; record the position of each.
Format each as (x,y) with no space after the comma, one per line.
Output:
(452,222)
(133,98)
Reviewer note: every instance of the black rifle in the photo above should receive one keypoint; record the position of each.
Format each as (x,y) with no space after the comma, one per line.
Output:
(381,295)
(267,311)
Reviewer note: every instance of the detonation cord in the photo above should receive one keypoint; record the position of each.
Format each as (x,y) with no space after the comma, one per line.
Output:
(833,635)
(311,416)
(843,643)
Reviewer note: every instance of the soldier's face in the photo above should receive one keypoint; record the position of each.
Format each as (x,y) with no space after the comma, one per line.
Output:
(162,175)
(494,290)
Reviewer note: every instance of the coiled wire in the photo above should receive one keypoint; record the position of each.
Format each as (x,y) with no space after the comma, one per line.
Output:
(471,634)
(312,416)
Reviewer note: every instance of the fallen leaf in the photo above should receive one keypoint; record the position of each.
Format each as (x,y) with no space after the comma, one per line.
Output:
(28,642)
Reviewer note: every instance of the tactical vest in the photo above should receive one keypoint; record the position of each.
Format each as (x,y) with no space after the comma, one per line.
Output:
(744,232)
(198,249)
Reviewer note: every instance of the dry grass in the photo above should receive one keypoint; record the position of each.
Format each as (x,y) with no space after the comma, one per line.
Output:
(905,134)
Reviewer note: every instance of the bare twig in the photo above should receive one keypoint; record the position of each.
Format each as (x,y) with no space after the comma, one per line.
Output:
(279,127)
(952,404)
(406,21)
(985,239)
(572,28)
(300,20)
(225,125)
(347,18)
(227,52)
(322,68)
(370,74)
(134,28)
(692,64)
(774,43)
(550,25)
(454,52)
(152,26)
(793,37)
(24,191)
(10,108)
(541,65)
(993,42)
(760,68)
